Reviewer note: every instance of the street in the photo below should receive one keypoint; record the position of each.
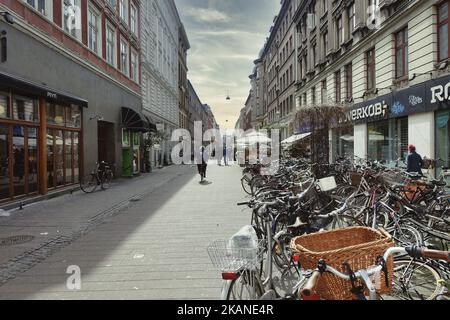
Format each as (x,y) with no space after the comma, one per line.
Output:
(152,247)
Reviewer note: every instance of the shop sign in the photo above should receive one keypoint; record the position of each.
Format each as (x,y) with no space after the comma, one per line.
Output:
(375,110)
(52,95)
(425,97)
(439,93)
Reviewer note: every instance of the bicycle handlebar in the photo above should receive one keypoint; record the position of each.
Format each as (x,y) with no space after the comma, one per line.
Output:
(310,287)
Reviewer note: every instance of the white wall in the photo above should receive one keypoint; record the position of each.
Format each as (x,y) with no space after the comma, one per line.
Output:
(421,133)
(360,132)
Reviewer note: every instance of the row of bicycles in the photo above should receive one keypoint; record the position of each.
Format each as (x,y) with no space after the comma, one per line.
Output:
(351,230)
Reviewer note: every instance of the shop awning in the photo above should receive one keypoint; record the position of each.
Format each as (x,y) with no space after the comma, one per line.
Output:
(13,82)
(295,138)
(134,121)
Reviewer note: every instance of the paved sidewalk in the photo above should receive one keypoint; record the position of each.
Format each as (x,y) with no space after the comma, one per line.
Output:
(151,248)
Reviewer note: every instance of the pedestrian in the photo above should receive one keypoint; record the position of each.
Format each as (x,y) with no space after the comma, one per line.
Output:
(202,163)
(225,155)
(414,161)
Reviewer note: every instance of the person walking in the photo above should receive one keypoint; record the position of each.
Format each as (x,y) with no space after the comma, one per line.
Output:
(414,161)
(202,163)
(225,154)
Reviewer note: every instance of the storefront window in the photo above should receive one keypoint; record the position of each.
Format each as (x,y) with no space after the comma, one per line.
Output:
(19,160)
(76,157)
(136,139)
(55,114)
(25,109)
(125,138)
(50,159)
(443,137)
(4,105)
(388,140)
(59,161)
(73,116)
(4,162)
(343,143)
(32,160)
(68,160)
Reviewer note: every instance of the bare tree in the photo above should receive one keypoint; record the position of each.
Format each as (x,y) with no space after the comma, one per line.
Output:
(319,119)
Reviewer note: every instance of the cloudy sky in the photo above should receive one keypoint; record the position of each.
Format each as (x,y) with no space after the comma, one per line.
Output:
(226,37)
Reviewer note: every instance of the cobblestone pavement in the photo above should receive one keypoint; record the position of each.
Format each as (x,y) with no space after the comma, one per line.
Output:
(143,239)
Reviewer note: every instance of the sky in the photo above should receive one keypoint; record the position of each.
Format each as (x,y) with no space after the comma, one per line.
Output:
(226,36)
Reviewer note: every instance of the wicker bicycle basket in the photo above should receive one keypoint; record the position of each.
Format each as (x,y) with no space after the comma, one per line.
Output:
(358,246)
(355,179)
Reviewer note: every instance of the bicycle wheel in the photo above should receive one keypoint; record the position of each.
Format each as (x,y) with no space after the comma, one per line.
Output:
(246,183)
(107,180)
(282,255)
(345,221)
(246,287)
(89,183)
(406,235)
(414,280)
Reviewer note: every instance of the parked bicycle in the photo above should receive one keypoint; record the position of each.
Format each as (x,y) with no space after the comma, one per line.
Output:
(102,176)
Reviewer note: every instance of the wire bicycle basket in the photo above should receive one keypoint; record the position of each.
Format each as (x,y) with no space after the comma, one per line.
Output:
(394,178)
(230,258)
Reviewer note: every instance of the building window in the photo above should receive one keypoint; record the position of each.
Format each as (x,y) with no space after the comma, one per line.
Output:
(124,57)
(324,92)
(94,31)
(443,137)
(72,18)
(5,111)
(337,81)
(388,140)
(111,45)
(123,10)
(351,20)
(443,24)
(134,19)
(45,7)
(314,55)
(349,81)
(401,53)
(313,96)
(112,3)
(343,142)
(134,66)
(339,32)
(370,69)
(25,109)
(325,43)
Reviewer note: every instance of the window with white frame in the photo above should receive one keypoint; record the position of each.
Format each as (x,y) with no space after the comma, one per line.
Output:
(94,30)
(123,10)
(134,66)
(71,17)
(45,7)
(111,45)
(112,3)
(124,57)
(134,19)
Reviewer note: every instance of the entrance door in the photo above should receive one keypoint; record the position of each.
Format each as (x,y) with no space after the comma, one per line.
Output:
(18,161)
(106,145)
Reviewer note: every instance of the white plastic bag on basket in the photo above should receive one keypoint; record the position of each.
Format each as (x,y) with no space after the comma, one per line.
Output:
(244,246)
